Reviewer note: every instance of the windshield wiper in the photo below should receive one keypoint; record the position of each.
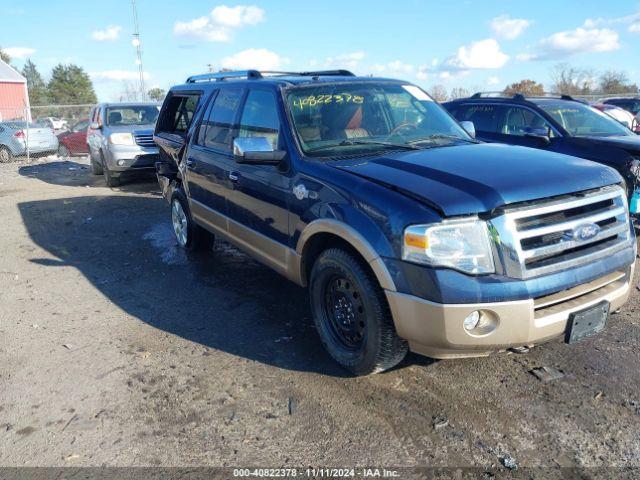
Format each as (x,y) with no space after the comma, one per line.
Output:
(441,136)
(346,143)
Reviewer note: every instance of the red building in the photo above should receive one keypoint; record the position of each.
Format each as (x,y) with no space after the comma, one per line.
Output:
(14,97)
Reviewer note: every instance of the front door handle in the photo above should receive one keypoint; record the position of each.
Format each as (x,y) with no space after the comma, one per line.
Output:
(233,177)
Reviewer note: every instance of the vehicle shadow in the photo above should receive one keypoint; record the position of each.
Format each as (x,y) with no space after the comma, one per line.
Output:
(77,173)
(221,300)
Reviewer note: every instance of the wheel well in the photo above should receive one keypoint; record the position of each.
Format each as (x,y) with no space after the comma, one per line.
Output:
(321,242)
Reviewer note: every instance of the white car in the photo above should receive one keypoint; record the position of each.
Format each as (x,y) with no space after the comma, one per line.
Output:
(621,115)
(53,123)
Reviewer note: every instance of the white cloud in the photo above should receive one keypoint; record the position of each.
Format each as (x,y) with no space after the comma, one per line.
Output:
(258,58)
(634,28)
(509,28)
(220,24)
(572,42)
(116,75)
(493,81)
(483,54)
(633,19)
(109,34)
(345,60)
(19,52)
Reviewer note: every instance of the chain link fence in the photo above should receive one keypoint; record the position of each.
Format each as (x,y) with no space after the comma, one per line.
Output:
(39,131)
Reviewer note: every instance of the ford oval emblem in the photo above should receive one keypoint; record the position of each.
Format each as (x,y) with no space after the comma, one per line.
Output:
(586,231)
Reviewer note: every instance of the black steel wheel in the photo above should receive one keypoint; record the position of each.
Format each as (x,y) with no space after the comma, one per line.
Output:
(351,314)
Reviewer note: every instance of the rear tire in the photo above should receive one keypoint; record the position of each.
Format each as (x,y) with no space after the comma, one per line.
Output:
(63,151)
(189,234)
(5,155)
(352,315)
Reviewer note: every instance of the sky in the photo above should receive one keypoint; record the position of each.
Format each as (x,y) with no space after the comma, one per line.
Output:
(474,44)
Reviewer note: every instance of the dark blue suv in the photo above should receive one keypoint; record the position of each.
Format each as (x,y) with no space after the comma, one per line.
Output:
(408,232)
(558,124)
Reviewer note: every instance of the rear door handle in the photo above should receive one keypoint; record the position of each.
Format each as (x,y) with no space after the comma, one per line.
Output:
(233,177)
(190,163)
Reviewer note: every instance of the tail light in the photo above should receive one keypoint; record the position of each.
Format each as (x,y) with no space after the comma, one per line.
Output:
(19,134)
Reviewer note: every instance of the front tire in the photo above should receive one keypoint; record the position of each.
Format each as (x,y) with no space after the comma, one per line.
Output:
(189,234)
(352,316)
(109,178)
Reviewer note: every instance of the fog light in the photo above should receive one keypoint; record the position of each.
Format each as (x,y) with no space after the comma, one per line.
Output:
(472,321)
(120,162)
(480,322)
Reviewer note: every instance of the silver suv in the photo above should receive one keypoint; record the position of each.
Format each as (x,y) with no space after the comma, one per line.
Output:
(120,139)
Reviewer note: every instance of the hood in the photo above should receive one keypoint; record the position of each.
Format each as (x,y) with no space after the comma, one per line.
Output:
(139,129)
(477,178)
(626,142)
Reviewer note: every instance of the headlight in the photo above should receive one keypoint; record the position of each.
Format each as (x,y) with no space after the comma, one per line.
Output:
(121,139)
(461,245)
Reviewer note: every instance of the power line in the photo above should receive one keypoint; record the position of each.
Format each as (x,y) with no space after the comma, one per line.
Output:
(138,45)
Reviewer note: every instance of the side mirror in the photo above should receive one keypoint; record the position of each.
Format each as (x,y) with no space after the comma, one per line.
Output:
(95,126)
(256,151)
(469,127)
(540,133)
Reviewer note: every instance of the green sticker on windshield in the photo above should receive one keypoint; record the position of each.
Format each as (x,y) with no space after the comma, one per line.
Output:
(325,99)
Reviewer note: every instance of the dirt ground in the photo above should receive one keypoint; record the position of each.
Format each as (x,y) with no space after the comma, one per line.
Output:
(119,349)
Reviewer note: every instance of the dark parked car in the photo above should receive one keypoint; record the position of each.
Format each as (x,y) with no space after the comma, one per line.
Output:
(557,124)
(74,140)
(408,232)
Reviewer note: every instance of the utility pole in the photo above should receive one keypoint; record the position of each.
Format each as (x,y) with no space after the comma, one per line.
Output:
(136,43)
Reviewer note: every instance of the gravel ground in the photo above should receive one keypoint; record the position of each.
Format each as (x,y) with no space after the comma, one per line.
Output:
(119,349)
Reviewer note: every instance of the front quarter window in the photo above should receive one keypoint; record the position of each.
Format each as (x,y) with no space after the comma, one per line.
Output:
(343,119)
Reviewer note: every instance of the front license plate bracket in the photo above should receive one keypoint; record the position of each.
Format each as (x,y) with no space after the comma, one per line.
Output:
(587,322)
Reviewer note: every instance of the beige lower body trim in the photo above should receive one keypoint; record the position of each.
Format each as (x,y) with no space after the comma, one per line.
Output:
(436,330)
(281,258)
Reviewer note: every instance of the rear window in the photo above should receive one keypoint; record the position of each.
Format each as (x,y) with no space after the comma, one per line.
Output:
(178,114)
(484,117)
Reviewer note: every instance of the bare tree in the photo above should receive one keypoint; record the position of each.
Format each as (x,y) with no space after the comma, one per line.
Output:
(458,92)
(525,87)
(571,80)
(439,93)
(616,82)
(129,92)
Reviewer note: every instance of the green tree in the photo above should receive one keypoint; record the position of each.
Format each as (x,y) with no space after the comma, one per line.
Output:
(5,57)
(38,94)
(525,87)
(71,85)
(157,94)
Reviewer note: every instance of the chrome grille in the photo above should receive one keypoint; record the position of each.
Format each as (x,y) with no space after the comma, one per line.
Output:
(144,139)
(542,238)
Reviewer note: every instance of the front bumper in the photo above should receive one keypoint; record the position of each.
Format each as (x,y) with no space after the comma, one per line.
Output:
(436,330)
(124,158)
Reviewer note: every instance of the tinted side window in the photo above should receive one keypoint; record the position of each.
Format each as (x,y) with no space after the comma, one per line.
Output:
(519,121)
(260,117)
(484,117)
(178,114)
(219,124)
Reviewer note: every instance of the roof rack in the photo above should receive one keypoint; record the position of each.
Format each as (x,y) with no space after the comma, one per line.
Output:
(256,74)
(522,96)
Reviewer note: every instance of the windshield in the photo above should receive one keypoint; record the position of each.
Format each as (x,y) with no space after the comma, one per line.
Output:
(584,121)
(20,125)
(132,115)
(346,119)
